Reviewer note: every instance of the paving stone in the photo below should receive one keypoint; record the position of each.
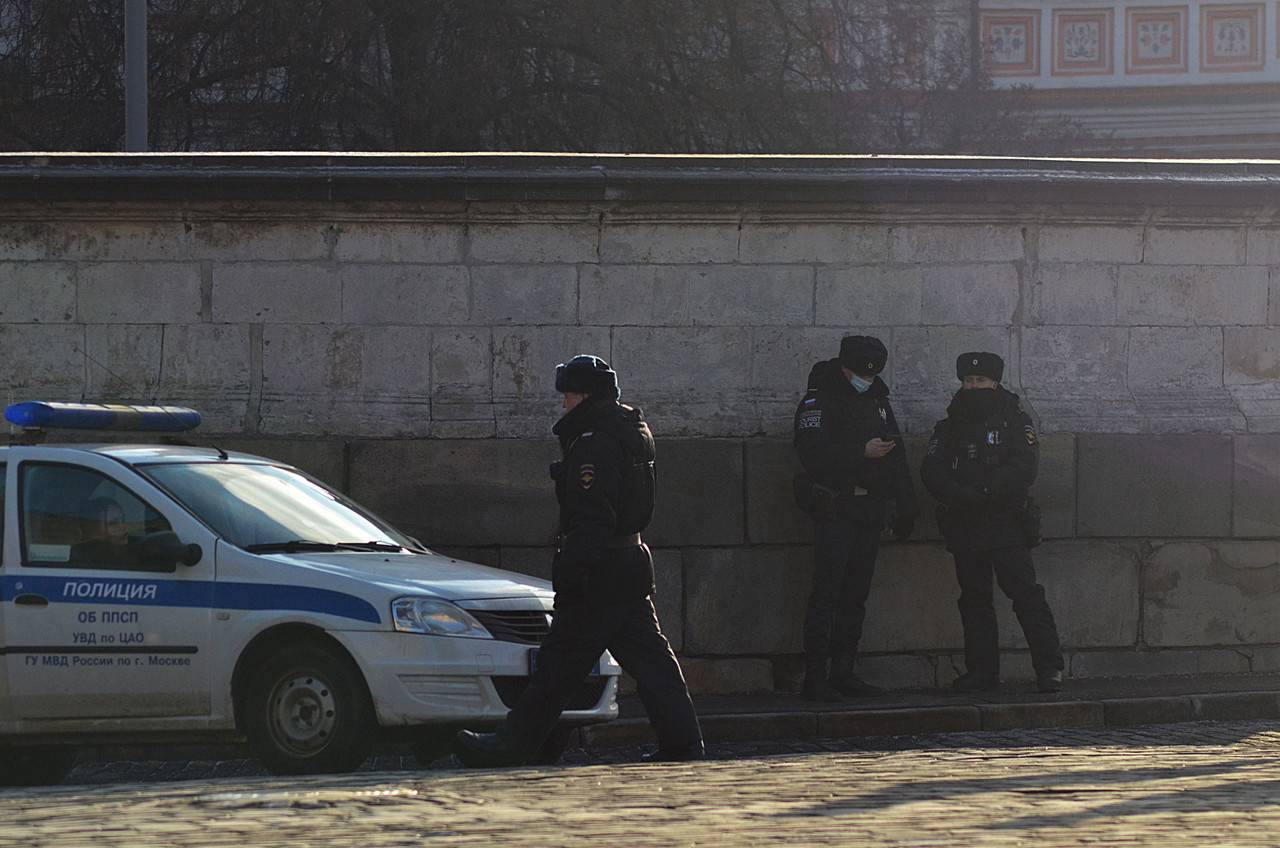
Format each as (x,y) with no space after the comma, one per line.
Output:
(1052,714)
(956,719)
(1232,706)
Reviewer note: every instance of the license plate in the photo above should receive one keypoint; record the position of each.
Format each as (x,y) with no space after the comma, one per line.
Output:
(533,663)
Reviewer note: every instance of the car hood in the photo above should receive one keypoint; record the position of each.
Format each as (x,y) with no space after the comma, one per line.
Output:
(427,574)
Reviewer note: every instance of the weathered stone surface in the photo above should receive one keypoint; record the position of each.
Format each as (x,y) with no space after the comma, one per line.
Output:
(462,365)
(534,242)
(808,242)
(955,243)
(207,366)
(1252,355)
(898,671)
(1173,485)
(1175,358)
(1092,588)
(131,293)
(973,295)
(869,294)
(324,459)
(1264,246)
(1195,246)
(1042,714)
(699,493)
(99,241)
(24,242)
(1076,294)
(233,241)
(123,362)
(1133,663)
(1212,593)
(1191,295)
(43,360)
(924,359)
(1255,503)
(912,602)
(745,601)
(1128,712)
(1068,243)
(772,514)
(957,719)
(782,357)
(1235,706)
(676,295)
(525,360)
(385,241)
(459,492)
(276,293)
(404,294)
(1055,486)
(670,242)
(524,294)
(37,292)
(668,595)
(706,363)
(1075,362)
(727,676)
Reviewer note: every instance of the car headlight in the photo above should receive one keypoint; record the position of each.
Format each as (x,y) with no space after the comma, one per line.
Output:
(439,618)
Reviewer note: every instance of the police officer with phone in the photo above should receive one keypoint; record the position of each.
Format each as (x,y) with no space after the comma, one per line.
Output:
(855,480)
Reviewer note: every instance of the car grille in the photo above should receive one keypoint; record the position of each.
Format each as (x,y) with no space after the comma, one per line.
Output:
(585,697)
(523,627)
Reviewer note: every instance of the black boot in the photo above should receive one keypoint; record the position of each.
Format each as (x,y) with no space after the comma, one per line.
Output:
(1049,681)
(816,685)
(487,750)
(844,681)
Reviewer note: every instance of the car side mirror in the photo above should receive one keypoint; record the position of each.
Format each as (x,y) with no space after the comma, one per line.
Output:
(165,549)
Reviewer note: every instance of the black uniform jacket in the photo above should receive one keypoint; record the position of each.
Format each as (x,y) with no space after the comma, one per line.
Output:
(979,467)
(606,486)
(832,427)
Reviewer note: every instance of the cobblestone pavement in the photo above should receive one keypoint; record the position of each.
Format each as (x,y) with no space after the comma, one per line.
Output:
(1190,784)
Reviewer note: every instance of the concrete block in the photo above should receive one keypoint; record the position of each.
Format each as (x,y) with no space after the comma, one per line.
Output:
(524,294)
(462,365)
(1076,294)
(912,602)
(1162,359)
(24,242)
(807,242)
(324,459)
(521,243)
(781,358)
(673,242)
(1068,243)
(700,485)
(525,359)
(1075,361)
(676,295)
(657,364)
(1093,590)
(1143,485)
(37,292)
(1212,593)
(1041,714)
(104,241)
(1195,246)
(1263,246)
(1255,504)
(1235,706)
(1252,355)
(432,242)
(459,492)
(1133,663)
(207,366)
(132,292)
(898,671)
(772,515)
(1191,295)
(1273,307)
(276,293)
(668,594)
(1055,486)
(869,294)
(237,241)
(745,601)
(925,359)
(404,294)
(975,295)
(123,362)
(728,676)
(903,722)
(956,243)
(42,360)
(1133,712)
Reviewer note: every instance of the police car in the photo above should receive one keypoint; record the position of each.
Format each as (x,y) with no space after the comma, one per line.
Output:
(151,592)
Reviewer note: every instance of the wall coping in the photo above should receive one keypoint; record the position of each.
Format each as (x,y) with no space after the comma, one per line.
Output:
(610,178)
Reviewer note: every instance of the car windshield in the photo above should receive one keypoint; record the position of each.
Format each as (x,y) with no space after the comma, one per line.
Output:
(265,508)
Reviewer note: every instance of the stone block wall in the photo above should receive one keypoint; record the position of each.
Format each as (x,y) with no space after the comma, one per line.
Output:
(404,352)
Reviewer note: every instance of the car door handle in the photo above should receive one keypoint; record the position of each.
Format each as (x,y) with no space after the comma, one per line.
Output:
(32,600)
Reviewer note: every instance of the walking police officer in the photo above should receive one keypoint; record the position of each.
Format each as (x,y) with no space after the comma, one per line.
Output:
(981,462)
(603,579)
(855,473)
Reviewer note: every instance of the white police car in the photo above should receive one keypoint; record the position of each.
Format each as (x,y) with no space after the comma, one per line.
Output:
(154,592)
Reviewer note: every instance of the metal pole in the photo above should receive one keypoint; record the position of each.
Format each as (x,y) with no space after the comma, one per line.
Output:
(135,75)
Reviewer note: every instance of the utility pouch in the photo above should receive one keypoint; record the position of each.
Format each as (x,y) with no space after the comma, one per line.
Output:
(813,498)
(1030,520)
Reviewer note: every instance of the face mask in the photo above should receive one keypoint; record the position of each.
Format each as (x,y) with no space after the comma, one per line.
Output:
(859,385)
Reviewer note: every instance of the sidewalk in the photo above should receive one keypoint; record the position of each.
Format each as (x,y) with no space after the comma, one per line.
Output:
(1115,702)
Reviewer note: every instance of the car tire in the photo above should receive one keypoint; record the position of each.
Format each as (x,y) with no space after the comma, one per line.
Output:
(35,766)
(307,711)
(553,748)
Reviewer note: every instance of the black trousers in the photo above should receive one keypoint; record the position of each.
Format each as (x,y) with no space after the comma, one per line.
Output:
(580,632)
(1016,575)
(844,563)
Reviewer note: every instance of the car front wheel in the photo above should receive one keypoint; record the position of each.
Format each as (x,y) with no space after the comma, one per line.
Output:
(307,711)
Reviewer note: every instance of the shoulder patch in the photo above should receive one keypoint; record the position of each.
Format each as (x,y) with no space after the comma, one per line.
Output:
(1030,432)
(810,419)
(586,475)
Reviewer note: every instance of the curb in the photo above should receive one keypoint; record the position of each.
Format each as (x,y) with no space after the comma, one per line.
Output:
(914,721)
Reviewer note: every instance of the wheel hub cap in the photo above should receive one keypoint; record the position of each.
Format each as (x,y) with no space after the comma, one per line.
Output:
(303,713)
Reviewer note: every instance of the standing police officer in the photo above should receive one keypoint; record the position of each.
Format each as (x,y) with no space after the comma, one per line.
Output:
(855,467)
(603,578)
(981,461)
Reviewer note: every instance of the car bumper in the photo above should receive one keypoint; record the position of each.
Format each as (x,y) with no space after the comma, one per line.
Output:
(417,679)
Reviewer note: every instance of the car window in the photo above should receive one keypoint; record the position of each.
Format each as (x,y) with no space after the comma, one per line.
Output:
(74,517)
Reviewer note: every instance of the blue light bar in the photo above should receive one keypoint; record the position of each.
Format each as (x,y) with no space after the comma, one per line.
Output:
(43,415)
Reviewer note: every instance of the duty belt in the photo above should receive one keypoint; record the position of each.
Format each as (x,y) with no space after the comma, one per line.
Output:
(623,541)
